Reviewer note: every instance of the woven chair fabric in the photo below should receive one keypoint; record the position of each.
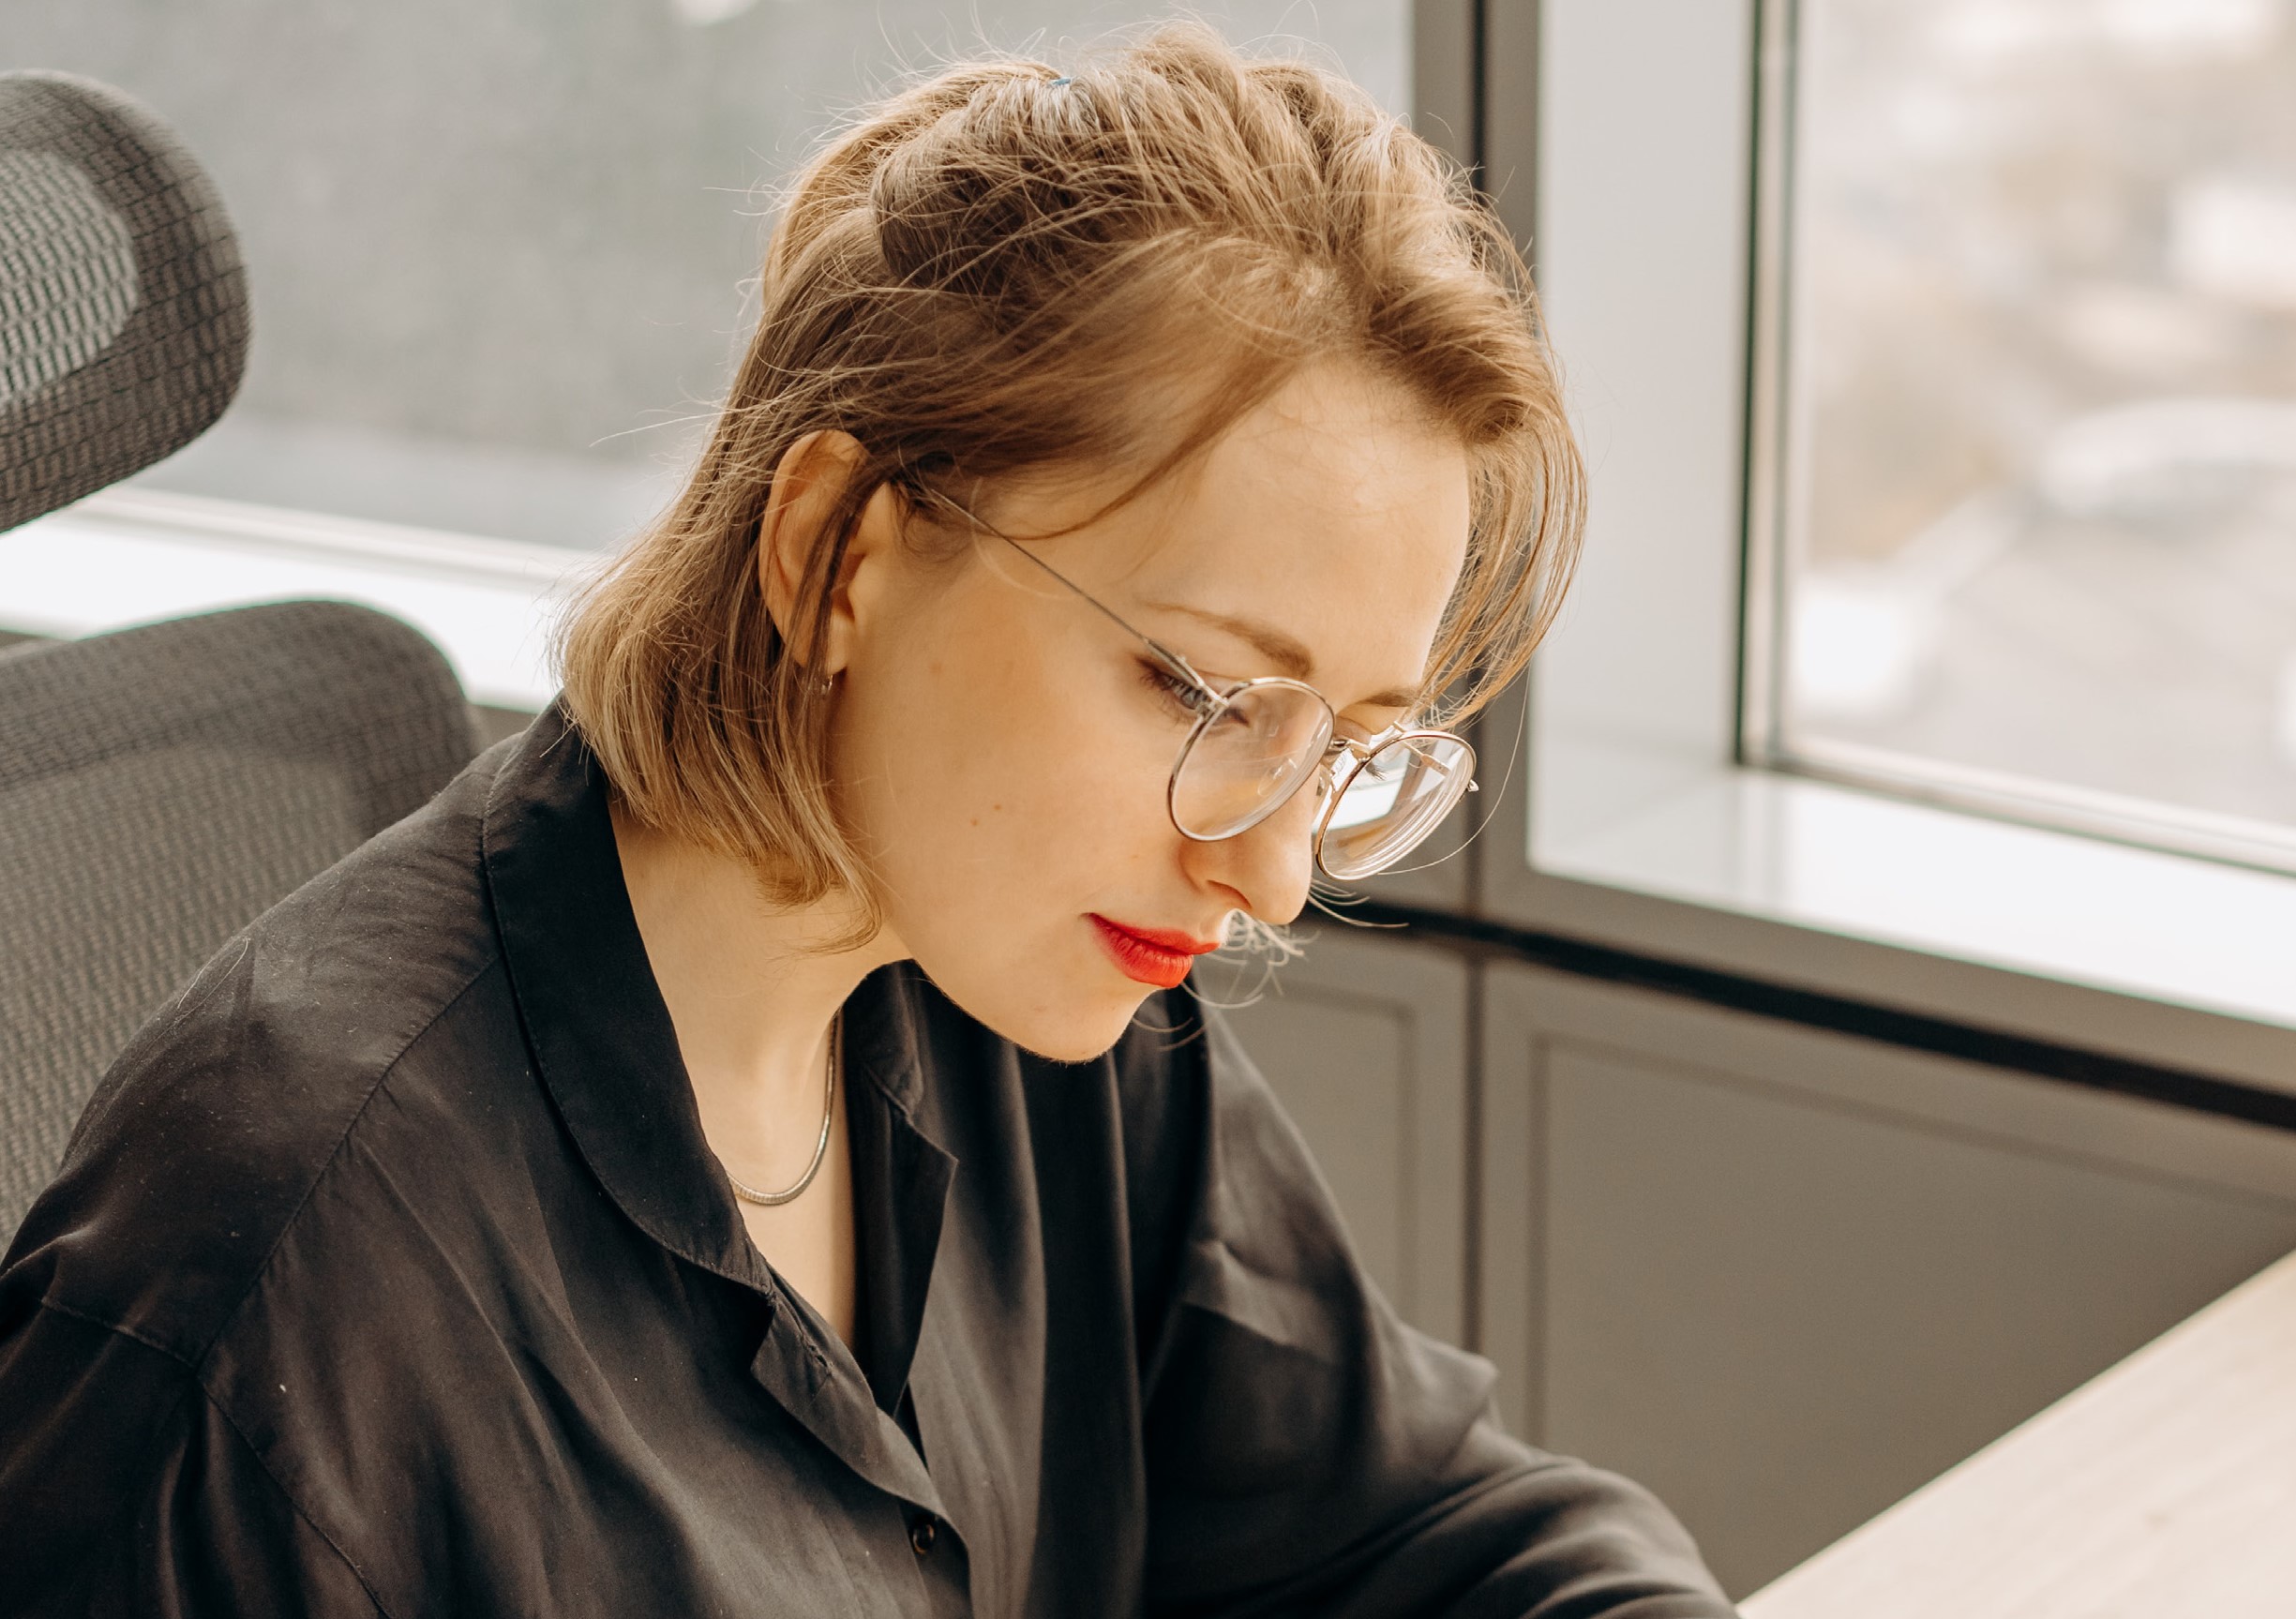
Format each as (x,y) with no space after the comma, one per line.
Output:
(160,788)
(123,303)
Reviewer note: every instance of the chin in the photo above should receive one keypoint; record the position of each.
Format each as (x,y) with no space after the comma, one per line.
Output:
(1081,1038)
(1080,1028)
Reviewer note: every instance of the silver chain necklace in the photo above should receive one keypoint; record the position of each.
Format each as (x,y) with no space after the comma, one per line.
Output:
(820,1147)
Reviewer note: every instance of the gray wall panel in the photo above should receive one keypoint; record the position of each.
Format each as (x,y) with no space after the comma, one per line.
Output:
(1784,1278)
(1365,1042)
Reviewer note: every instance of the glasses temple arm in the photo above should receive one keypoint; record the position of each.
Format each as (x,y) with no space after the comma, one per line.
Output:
(1164,655)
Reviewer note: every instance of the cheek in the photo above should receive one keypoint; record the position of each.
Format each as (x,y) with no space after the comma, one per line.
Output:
(1001,801)
(986,778)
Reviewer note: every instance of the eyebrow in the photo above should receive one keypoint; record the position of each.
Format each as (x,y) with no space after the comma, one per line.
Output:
(1288,655)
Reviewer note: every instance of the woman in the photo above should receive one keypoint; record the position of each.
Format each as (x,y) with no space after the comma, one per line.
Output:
(741,1149)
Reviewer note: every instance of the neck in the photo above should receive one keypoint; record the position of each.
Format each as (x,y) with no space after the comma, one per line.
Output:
(750,990)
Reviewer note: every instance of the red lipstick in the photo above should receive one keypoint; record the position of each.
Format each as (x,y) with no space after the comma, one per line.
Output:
(1150,955)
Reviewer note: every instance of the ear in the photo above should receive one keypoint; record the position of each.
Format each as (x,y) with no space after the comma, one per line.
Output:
(813,475)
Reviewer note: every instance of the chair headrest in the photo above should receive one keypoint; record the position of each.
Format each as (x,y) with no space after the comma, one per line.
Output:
(123,304)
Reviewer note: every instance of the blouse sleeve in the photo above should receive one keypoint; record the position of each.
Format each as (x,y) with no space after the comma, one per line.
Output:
(125,1492)
(1310,1453)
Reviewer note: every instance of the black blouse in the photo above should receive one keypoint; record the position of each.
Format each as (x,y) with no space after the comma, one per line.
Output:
(389,1273)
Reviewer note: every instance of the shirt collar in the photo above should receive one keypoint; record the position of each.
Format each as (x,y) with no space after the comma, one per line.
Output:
(608,1052)
(603,1038)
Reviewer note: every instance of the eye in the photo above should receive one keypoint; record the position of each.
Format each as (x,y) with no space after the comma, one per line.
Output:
(1179,698)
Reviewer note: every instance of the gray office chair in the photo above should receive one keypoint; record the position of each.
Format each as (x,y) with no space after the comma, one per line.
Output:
(123,306)
(159,787)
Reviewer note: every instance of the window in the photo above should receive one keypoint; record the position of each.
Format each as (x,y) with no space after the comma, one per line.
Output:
(497,247)
(1657,820)
(2025,470)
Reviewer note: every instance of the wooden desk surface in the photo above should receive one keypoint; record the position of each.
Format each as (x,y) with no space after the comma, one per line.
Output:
(2165,1488)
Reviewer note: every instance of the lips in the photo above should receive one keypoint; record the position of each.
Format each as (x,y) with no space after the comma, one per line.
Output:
(1150,955)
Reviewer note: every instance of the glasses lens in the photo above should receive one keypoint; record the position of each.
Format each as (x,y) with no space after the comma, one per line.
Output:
(1393,801)
(1248,758)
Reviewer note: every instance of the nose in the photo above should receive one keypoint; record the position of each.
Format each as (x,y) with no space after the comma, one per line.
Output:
(1266,869)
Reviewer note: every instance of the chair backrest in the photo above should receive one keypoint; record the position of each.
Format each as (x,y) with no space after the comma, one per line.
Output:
(161,787)
(123,306)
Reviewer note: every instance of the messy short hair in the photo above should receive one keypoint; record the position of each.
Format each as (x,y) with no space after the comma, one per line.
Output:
(958,279)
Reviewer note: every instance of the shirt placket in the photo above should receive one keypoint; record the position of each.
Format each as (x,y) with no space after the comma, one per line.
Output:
(822,1388)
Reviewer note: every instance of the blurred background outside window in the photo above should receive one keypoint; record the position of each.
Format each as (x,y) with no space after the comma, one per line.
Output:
(2038,468)
(498,251)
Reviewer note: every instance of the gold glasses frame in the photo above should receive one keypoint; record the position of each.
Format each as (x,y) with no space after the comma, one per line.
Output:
(1209,702)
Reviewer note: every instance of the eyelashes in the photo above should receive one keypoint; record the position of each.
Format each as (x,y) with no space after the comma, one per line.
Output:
(1170,690)
(1178,699)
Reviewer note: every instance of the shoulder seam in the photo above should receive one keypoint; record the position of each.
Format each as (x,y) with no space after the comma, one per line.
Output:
(255,1280)
(57,1307)
(286,1495)
(194,1388)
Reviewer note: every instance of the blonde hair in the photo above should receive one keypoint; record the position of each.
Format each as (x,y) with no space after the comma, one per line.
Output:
(958,281)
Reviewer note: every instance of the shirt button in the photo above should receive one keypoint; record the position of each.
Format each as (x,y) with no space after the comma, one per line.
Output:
(921,1534)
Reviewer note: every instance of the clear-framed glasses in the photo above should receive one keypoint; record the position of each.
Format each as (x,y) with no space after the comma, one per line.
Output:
(1255,742)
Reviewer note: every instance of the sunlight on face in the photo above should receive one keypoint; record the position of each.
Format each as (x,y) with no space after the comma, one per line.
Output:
(1003,756)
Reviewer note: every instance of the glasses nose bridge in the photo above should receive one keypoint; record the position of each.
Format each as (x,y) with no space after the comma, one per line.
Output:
(1342,757)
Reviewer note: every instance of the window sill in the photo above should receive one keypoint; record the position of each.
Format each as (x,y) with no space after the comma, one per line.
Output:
(132,556)
(2158,957)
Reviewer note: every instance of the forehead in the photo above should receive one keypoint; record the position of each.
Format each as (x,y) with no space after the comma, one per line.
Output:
(1334,513)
